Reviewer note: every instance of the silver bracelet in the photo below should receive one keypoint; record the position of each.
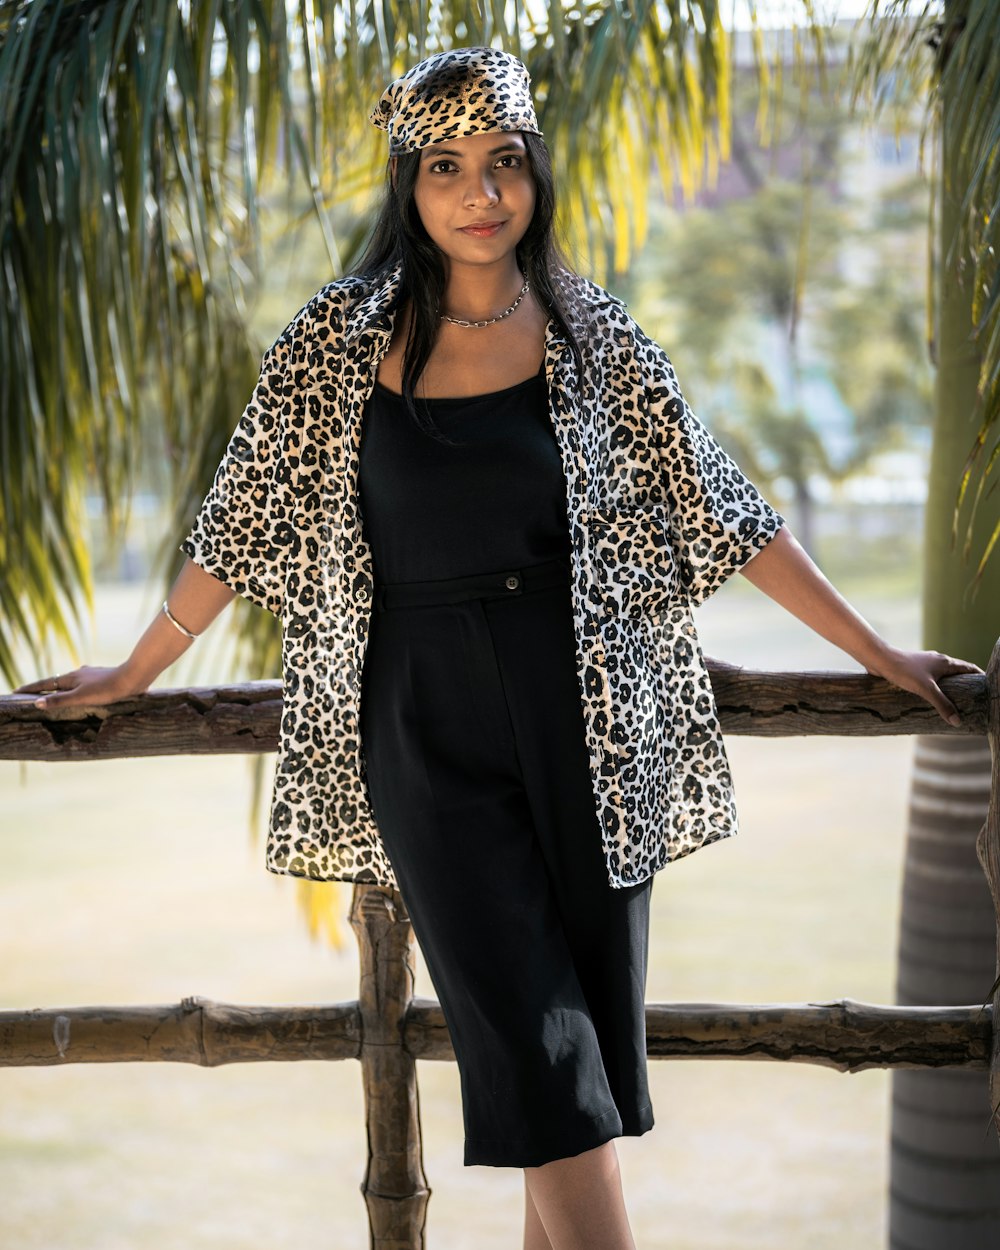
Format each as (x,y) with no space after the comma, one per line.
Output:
(174,621)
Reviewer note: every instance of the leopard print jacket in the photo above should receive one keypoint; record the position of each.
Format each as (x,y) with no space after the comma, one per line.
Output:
(659,514)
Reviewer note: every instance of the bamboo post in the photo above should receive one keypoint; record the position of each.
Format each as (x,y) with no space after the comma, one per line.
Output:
(988,851)
(394,1186)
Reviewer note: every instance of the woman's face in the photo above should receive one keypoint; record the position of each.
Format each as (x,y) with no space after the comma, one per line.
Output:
(478,178)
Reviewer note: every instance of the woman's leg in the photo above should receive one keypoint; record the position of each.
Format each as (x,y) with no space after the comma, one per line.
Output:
(535,1236)
(579,1202)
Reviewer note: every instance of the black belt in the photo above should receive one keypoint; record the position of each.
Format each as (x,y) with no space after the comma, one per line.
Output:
(505,583)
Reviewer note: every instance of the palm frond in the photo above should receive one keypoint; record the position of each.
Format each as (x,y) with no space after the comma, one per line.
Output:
(907,52)
(141,139)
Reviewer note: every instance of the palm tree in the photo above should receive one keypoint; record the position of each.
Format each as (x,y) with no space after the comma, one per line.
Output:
(945,1165)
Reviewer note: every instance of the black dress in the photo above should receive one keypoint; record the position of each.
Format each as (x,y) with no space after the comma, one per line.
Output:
(478,770)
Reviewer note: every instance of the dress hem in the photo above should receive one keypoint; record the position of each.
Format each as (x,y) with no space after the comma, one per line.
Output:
(486,1152)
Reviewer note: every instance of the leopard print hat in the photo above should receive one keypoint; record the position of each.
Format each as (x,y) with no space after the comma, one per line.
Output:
(463,91)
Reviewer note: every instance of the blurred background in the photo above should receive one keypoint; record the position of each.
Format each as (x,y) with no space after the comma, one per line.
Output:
(790,285)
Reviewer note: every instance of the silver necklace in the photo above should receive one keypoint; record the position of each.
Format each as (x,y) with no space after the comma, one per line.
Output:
(506,312)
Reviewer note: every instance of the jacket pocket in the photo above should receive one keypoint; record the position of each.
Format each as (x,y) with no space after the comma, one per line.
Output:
(633,559)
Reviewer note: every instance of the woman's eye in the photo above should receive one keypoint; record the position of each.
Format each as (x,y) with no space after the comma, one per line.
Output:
(437,164)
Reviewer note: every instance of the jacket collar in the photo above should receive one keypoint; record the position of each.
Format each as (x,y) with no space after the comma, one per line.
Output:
(369,310)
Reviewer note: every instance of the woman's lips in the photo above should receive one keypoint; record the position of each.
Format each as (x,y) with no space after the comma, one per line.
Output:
(483,232)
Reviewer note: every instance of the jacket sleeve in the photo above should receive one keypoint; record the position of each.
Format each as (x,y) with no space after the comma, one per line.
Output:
(244,530)
(719,520)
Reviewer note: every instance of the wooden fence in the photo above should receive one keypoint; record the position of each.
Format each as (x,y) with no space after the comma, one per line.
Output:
(388,1029)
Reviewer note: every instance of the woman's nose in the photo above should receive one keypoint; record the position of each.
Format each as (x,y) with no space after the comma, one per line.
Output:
(482,186)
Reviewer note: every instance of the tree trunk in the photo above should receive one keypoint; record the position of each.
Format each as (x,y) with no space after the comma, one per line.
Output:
(945,1158)
(945,1161)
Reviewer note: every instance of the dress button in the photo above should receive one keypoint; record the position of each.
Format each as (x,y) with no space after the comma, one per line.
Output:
(513,582)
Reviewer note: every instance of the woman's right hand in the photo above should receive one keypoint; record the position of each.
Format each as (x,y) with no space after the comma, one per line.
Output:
(86,686)
(198,598)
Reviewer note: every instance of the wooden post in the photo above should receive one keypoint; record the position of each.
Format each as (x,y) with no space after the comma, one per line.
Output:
(394,1187)
(988,850)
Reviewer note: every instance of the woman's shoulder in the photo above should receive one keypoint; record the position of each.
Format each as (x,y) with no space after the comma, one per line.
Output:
(339,297)
(333,310)
(615,336)
(595,311)
(585,290)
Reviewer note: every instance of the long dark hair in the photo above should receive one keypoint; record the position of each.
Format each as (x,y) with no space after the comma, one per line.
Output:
(398,235)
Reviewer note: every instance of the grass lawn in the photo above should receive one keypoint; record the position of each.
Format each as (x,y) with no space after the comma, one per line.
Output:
(137,882)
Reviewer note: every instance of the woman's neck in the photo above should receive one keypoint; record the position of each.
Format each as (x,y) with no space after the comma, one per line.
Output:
(478,292)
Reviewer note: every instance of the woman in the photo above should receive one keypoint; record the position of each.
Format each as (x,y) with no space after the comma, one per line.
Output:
(467,474)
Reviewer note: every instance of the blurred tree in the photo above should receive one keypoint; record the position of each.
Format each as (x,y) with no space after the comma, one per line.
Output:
(760,309)
(721,296)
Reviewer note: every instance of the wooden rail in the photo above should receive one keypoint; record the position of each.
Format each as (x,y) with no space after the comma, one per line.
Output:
(847,1035)
(388,1029)
(243,719)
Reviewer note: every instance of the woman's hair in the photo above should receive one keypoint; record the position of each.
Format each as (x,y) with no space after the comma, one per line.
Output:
(399,235)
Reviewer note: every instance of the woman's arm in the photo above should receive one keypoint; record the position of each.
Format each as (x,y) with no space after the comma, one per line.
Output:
(785,573)
(195,599)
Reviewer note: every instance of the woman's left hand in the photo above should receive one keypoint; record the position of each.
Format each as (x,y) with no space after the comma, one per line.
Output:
(918,671)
